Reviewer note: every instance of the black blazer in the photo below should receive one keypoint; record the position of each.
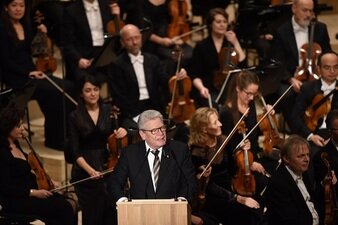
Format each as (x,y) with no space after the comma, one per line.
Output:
(77,39)
(176,177)
(285,202)
(124,85)
(304,99)
(284,48)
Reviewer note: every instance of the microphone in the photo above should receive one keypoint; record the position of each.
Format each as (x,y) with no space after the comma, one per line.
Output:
(139,171)
(181,174)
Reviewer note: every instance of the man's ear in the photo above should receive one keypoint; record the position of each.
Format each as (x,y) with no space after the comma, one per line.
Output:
(142,135)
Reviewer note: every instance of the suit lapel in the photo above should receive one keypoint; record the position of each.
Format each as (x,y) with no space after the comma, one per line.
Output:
(292,41)
(83,20)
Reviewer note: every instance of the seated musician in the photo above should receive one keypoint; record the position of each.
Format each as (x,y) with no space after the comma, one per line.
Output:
(288,41)
(19,192)
(215,201)
(245,86)
(159,16)
(18,69)
(85,24)
(326,174)
(136,79)
(205,59)
(313,126)
(289,194)
(90,125)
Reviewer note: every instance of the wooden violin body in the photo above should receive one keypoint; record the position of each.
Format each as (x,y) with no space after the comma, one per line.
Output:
(42,50)
(320,106)
(309,54)
(244,182)
(329,194)
(114,25)
(42,178)
(178,10)
(182,106)
(228,60)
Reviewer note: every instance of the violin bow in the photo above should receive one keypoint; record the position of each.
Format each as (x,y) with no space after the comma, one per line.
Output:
(225,142)
(263,117)
(81,181)
(60,89)
(188,33)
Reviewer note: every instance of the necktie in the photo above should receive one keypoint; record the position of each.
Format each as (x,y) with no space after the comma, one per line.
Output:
(156,166)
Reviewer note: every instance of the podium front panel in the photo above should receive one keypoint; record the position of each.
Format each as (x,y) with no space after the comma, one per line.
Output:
(153,212)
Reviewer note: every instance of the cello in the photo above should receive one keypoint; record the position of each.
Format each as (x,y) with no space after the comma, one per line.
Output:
(309,53)
(181,107)
(243,182)
(178,10)
(115,144)
(330,198)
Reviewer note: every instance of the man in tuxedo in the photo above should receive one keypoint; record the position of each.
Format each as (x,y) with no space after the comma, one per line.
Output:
(330,153)
(85,24)
(137,80)
(289,196)
(287,42)
(156,168)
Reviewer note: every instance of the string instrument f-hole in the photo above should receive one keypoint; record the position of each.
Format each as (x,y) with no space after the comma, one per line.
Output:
(243,183)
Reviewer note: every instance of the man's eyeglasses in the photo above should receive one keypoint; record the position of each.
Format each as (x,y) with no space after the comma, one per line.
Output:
(250,94)
(156,131)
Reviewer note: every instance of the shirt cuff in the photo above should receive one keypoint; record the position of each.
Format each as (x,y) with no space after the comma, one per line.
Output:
(308,137)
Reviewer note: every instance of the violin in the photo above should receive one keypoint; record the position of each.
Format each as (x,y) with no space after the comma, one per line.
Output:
(309,53)
(319,108)
(114,26)
(181,107)
(329,194)
(42,49)
(228,59)
(243,182)
(178,10)
(42,178)
(272,138)
(115,144)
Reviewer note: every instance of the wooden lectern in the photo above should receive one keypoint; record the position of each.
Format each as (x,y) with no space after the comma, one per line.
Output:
(153,212)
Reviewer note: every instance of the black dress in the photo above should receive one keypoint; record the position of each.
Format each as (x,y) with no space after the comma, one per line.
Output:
(16,64)
(16,182)
(89,141)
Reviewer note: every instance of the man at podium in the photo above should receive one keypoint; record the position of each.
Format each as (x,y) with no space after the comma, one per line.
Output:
(156,168)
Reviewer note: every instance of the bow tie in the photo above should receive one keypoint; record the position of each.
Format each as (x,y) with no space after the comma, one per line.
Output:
(135,59)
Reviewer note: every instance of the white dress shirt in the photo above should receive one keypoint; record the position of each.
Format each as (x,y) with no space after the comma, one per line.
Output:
(94,18)
(301,35)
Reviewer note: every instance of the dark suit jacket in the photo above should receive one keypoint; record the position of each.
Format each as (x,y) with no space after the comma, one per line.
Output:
(124,85)
(304,99)
(176,176)
(285,202)
(285,47)
(77,39)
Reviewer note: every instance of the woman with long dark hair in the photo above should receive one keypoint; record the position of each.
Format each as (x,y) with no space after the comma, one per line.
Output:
(19,193)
